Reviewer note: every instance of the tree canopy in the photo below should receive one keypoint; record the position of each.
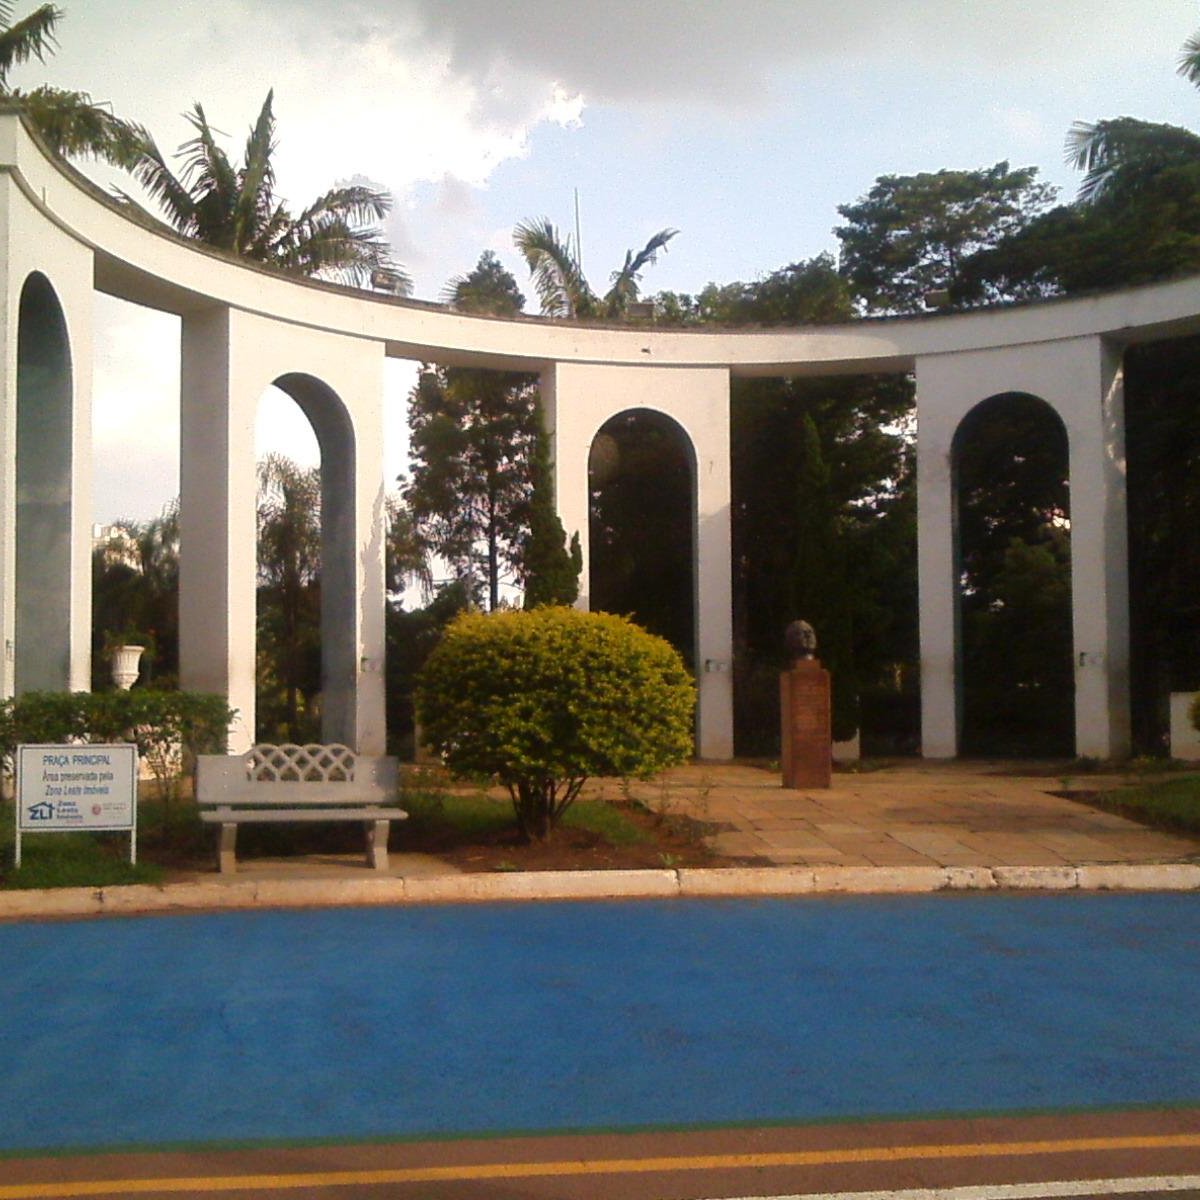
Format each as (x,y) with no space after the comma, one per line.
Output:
(471,438)
(911,235)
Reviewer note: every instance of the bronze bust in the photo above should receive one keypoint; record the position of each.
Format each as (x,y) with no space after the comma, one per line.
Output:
(801,641)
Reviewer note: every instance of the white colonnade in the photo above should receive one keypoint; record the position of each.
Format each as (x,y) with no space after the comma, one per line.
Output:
(245,328)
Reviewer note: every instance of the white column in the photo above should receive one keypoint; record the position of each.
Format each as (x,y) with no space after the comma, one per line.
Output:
(217,533)
(11,279)
(937,571)
(348,422)
(713,577)
(578,399)
(370,595)
(570,428)
(79,332)
(51,497)
(1099,555)
(1080,378)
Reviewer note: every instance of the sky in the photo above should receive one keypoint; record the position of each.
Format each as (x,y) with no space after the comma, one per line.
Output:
(741,123)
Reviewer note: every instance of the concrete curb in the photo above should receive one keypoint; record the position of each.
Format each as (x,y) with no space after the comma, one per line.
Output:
(589,885)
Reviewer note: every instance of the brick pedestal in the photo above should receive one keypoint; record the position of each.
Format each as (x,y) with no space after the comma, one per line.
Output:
(806,742)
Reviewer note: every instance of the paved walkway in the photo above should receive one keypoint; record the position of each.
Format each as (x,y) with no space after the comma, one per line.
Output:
(916,827)
(916,814)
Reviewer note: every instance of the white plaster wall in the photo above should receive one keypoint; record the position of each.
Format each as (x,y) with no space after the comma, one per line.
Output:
(30,244)
(229,358)
(165,272)
(579,399)
(1080,379)
(1185,739)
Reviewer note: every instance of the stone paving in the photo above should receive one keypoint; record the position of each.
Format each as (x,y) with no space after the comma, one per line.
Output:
(917,814)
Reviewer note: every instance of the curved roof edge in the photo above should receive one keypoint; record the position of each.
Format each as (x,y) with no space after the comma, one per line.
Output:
(138,259)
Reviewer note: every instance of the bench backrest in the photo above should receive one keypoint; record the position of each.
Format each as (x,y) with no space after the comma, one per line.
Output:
(295,775)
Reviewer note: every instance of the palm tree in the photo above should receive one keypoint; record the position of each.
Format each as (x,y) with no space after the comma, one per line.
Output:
(1123,155)
(561,286)
(237,210)
(69,122)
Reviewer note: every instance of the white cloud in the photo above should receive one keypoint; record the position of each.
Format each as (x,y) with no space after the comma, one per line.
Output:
(432,97)
(723,54)
(1023,128)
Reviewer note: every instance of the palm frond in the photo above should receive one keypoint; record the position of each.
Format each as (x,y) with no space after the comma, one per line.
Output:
(71,123)
(358,205)
(1189,60)
(333,248)
(329,238)
(152,172)
(31,37)
(1125,153)
(256,185)
(625,282)
(212,182)
(561,287)
(237,209)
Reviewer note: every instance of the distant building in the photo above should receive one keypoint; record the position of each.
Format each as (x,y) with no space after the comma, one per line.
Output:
(118,546)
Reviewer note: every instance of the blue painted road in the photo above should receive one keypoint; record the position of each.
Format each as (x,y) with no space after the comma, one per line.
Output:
(548,1017)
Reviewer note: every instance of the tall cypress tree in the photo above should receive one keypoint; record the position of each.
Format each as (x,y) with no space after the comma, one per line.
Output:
(549,569)
(472,436)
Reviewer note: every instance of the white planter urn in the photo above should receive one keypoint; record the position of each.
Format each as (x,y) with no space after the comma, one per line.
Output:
(125,665)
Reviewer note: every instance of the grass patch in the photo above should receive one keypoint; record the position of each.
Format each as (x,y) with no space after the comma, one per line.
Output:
(476,816)
(606,819)
(56,860)
(168,835)
(1172,804)
(468,815)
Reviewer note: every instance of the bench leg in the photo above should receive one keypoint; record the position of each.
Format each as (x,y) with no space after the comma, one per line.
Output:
(227,850)
(377,844)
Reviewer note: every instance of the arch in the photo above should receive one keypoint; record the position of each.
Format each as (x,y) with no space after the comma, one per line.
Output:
(43,490)
(1011,481)
(642,518)
(334,430)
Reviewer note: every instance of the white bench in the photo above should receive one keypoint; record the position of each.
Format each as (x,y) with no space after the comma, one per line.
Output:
(272,783)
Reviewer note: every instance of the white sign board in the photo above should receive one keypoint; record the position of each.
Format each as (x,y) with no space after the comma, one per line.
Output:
(90,788)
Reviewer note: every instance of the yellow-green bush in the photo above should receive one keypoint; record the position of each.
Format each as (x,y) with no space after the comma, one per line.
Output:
(541,700)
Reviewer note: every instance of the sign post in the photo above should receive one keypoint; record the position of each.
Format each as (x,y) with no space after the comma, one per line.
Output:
(77,788)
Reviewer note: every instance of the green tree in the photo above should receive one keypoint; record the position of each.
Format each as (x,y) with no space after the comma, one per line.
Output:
(1123,155)
(68,121)
(540,701)
(405,560)
(1014,550)
(641,481)
(289,598)
(237,210)
(1162,391)
(549,569)
(1016,693)
(823,517)
(472,434)
(488,290)
(558,277)
(912,235)
(802,293)
(135,591)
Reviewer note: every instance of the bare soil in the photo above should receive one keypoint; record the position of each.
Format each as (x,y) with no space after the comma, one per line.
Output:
(671,841)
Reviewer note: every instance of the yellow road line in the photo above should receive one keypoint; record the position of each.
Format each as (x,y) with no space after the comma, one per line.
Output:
(609,1166)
